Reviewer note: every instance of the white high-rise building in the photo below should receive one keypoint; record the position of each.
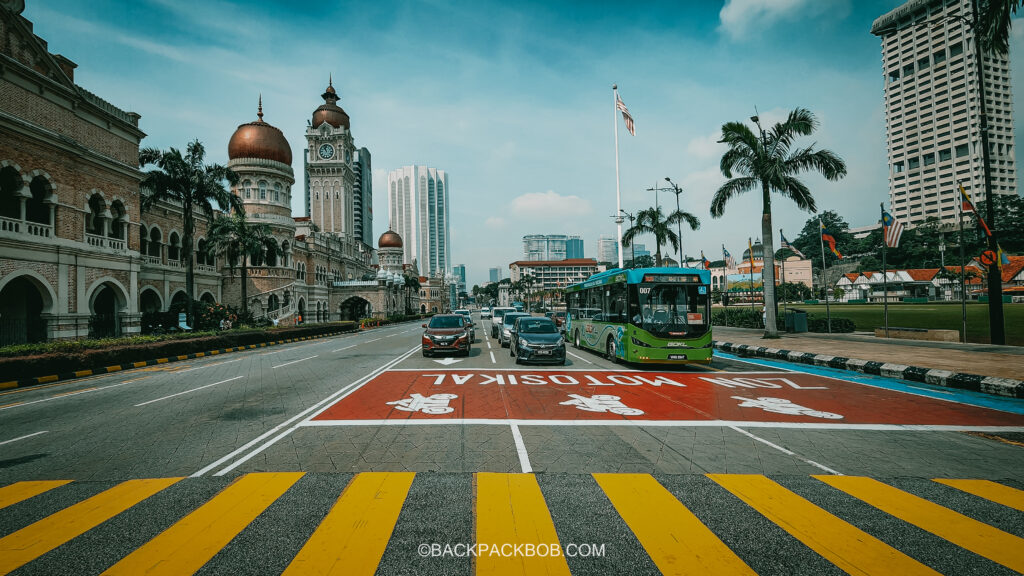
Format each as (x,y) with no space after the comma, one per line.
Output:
(545,247)
(931,111)
(418,211)
(608,249)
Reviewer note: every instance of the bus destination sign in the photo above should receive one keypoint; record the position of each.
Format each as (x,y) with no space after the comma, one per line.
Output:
(688,278)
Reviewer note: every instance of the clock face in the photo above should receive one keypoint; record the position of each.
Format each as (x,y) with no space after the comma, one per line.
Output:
(326,151)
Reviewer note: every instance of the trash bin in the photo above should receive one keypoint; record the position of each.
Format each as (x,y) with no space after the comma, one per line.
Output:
(796,320)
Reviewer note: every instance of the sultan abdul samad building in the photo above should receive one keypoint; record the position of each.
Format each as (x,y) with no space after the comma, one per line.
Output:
(78,256)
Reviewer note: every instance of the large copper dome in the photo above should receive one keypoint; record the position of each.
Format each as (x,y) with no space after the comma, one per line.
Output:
(330,112)
(389,239)
(259,140)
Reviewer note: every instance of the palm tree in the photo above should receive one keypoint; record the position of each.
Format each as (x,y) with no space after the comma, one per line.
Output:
(238,240)
(527,282)
(412,285)
(994,19)
(190,182)
(771,163)
(651,221)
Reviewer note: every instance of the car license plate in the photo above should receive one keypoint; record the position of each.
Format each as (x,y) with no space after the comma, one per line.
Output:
(543,352)
(677,356)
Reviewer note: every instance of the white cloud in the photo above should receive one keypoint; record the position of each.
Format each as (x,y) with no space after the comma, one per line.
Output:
(739,19)
(549,204)
(706,147)
(494,222)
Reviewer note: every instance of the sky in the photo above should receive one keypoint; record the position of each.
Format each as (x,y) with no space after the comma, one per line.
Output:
(513,100)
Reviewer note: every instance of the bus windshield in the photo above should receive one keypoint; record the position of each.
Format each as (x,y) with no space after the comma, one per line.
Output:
(667,310)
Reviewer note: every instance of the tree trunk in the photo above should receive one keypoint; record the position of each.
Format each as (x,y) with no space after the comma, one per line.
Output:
(245,289)
(768,270)
(190,272)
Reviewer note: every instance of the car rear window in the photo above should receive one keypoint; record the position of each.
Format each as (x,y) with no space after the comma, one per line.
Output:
(445,322)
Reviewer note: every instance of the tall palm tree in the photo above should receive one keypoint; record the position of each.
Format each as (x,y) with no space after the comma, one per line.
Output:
(994,19)
(412,286)
(770,163)
(238,240)
(652,221)
(528,281)
(193,184)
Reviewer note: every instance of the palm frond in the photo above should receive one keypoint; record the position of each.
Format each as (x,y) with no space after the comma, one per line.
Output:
(831,166)
(726,192)
(798,192)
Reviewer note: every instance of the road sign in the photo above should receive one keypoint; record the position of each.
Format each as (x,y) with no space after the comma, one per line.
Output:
(988,257)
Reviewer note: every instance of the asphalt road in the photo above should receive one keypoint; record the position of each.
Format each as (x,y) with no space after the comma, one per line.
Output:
(321,451)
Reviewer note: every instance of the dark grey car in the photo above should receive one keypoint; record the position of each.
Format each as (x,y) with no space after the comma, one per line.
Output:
(536,340)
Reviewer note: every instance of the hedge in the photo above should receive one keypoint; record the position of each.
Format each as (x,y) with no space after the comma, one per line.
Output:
(738,317)
(819,323)
(122,352)
(377,322)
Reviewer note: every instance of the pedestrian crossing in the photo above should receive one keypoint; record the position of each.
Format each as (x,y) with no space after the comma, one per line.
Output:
(494,523)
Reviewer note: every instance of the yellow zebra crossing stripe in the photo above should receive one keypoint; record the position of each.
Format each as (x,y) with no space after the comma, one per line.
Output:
(989,490)
(353,536)
(510,509)
(848,547)
(675,539)
(978,537)
(24,490)
(195,539)
(33,541)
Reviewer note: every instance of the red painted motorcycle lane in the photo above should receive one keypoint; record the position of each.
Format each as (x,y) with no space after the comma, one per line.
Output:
(602,395)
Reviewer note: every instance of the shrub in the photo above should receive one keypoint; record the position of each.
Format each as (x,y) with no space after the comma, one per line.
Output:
(26,361)
(738,317)
(819,323)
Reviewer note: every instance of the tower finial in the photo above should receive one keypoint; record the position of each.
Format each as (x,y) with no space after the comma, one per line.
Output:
(330,79)
(260,112)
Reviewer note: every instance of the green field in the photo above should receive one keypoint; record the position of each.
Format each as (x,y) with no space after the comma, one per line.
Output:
(932,315)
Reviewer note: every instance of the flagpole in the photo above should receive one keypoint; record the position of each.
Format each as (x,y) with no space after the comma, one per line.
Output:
(885,273)
(784,291)
(750,247)
(618,196)
(963,279)
(725,291)
(824,280)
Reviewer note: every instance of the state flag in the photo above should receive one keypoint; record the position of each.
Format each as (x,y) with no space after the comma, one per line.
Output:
(829,239)
(626,116)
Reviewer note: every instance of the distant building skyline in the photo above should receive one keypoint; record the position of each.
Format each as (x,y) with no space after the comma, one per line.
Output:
(551,246)
(494,274)
(418,208)
(607,249)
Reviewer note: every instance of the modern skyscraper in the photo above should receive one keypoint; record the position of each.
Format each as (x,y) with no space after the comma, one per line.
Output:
(494,274)
(931,110)
(459,271)
(607,249)
(574,248)
(362,197)
(418,211)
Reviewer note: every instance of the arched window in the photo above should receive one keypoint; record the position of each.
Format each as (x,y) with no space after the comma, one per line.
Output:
(247,186)
(10,193)
(286,253)
(143,239)
(38,207)
(201,251)
(263,189)
(96,218)
(118,221)
(271,257)
(277,192)
(174,248)
(154,242)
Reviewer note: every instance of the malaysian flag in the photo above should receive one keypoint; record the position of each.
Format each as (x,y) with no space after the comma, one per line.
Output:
(829,239)
(892,230)
(730,262)
(626,116)
(787,246)
(704,261)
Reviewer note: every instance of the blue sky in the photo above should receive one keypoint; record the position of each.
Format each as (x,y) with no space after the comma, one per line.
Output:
(513,100)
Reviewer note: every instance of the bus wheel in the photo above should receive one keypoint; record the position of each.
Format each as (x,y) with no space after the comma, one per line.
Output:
(610,351)
(576,340)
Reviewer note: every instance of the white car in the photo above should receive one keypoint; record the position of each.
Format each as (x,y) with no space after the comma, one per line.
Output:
(485,312)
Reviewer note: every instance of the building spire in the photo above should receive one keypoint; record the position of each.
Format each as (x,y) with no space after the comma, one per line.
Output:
(260,110)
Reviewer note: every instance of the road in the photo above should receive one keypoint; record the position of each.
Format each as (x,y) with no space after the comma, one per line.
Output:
(358,453)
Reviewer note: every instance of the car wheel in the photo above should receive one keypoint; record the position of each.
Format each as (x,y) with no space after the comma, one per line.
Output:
(576,340)
(563,362)
(610,351)
(426,354)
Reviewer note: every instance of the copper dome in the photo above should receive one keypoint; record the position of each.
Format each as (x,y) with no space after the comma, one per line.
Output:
(259,140)
(389,239)
(330,112)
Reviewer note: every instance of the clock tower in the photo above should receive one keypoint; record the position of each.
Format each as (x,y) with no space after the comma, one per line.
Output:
(330,169)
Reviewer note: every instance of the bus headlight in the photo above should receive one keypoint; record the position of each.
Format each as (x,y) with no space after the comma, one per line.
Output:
(640,343)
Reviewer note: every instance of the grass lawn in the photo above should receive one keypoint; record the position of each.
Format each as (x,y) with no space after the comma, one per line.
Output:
(932,315)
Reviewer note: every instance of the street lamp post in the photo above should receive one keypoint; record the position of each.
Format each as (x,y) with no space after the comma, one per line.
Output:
(678,190)
(632,245)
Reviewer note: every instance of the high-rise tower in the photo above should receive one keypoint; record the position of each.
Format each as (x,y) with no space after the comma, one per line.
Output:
(418,210)
(332,179)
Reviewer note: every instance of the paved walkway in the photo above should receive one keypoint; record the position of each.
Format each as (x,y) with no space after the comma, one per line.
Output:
(983,359)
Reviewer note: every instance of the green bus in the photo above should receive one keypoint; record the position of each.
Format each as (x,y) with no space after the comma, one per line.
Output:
(644,315)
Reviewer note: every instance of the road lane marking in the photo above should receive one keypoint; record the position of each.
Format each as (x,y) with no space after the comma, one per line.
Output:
(36,539)
(187,391)
(208,366)
(989,490)
(24,490)
(785,451)
(493,361)
(352,538)
(674,538)
(23,437)
(524,458)
(510,509)
(345,348)
(577,356)
(75,392)
(321,406)
(965,532)
(488,344)
(374,340)
(294,361)
(847,547)
(192,541)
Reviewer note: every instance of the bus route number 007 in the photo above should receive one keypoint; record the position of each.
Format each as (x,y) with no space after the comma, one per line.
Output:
(645,289)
